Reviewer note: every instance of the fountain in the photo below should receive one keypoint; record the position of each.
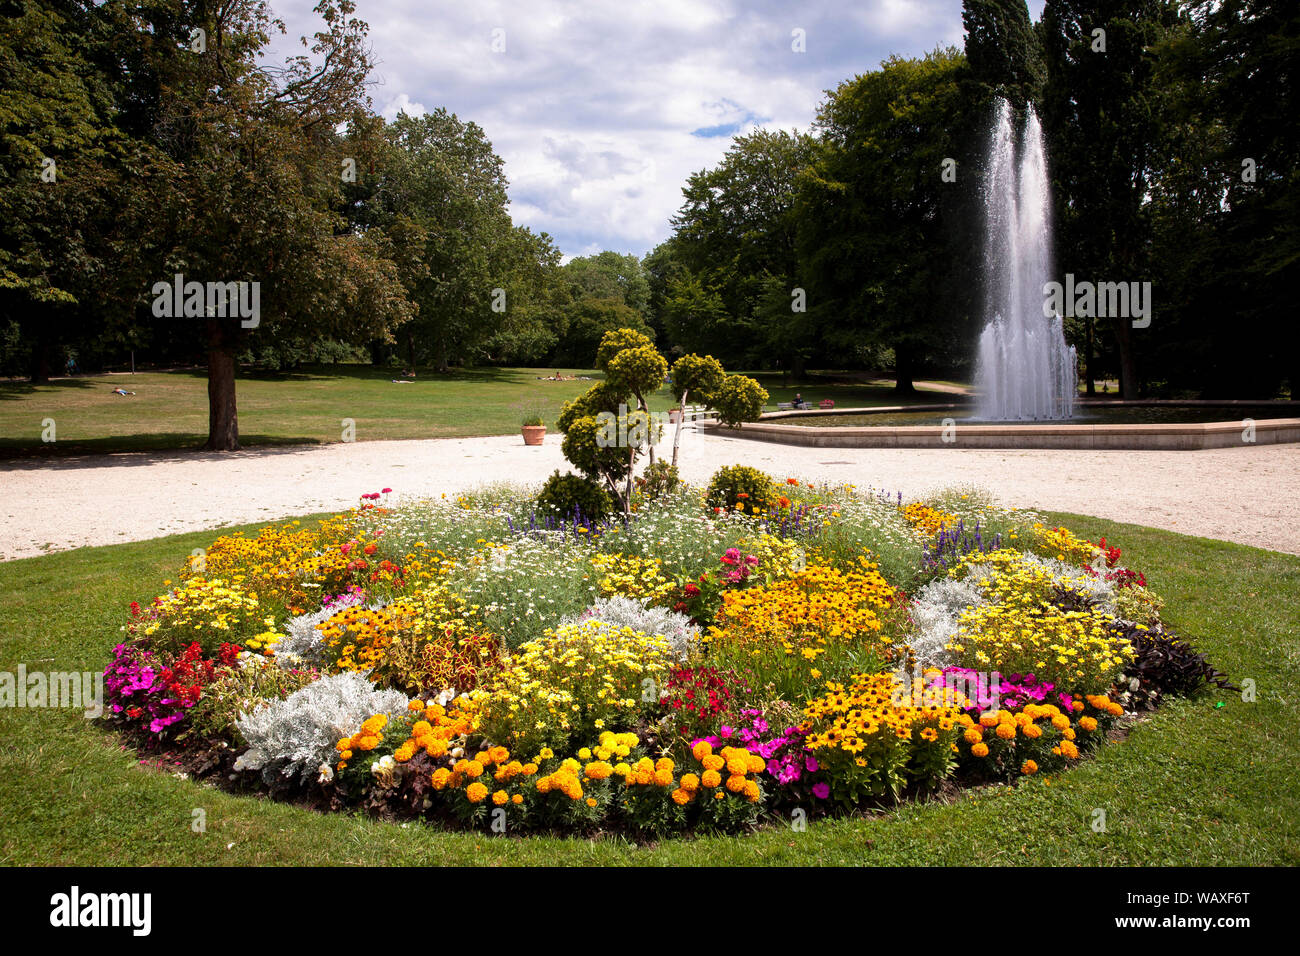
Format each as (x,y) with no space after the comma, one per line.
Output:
(1025,371)
(1026,374)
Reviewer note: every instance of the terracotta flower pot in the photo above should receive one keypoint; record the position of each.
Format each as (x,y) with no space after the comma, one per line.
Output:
(533,434)
(674,415)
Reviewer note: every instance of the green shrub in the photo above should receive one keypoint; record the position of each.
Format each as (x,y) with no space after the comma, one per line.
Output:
(562,493)
(739,399)
(658,480)
(732,481)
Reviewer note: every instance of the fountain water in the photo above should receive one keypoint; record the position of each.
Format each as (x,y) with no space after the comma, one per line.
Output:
(1025,371)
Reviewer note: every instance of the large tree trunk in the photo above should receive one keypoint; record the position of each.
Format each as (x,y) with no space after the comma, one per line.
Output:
(1128,381)
(223,419)
(40,365)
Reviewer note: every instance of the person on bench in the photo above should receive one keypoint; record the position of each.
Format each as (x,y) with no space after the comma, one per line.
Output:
(798,400)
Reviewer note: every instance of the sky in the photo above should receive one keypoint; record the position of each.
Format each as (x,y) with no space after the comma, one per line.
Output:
(601,109)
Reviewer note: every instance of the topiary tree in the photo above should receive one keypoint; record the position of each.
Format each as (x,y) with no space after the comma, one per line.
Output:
(696,375)
(602,435)
(606,427)
(739,399)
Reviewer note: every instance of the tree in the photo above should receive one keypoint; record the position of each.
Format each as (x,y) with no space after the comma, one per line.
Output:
(602,436)
(441,174)
(1099,117)
(1004,52)
(884,237)
(60,170)
(736,235)
(696,375)
(537,301)
(589,321)
(1224,200)
(611,275)
(243,182)
(661,267)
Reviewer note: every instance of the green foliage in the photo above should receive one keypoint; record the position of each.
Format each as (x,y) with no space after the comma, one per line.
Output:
(701,376)
(1005,55)
(589,321)
(638,369)
(601,397)
(563,493)
(883,239)
(1108,101)
(741,484)
(739,399)
(736,232)
(616,340)
(586,445)
(441,175)
(610,275)
(658,480)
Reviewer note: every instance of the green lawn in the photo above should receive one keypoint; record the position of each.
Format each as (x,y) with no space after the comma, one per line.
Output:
(1197,784)
(170,409)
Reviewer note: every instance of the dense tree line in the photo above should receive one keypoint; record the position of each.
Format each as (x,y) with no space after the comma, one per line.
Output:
(145,139)
(1173,152)
(150,144)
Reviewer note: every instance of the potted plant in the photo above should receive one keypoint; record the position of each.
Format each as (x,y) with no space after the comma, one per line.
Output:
(534,429)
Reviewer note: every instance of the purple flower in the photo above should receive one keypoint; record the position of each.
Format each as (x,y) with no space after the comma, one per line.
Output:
(810,763)
(821,790)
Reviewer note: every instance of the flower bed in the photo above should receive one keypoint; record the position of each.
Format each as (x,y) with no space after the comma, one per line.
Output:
(705,665)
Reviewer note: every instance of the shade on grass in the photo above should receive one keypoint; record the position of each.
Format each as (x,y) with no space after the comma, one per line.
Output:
(170,409)
(1196,784)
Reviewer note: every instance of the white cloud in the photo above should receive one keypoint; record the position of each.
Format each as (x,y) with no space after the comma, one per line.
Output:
(601,110)
(401,103)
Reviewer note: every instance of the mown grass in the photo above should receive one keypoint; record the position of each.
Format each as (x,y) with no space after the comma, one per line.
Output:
(170,409)
(1196,784)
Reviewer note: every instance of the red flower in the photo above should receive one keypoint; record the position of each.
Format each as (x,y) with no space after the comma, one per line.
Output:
(692,589)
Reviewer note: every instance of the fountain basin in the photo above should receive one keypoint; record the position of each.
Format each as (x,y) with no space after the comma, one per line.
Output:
(1083,433)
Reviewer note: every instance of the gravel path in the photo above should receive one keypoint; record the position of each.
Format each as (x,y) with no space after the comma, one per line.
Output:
(1245,494)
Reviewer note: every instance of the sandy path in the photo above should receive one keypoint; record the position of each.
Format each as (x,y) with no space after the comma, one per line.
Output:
(1245,494)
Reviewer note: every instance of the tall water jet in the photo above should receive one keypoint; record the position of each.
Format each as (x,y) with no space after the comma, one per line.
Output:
(1025,371)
